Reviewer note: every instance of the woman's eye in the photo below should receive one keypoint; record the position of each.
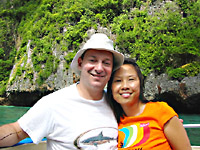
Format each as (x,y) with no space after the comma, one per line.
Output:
(131,79)
(117,81)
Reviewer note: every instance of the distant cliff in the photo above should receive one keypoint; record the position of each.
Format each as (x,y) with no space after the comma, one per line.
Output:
(39,39)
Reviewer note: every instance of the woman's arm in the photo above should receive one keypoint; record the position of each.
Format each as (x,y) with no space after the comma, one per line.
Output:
(11,134)
(176,134)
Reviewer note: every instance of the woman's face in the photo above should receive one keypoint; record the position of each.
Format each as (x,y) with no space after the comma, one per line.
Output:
(126,85)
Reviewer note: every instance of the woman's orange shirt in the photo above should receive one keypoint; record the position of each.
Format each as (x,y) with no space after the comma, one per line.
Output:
(146,131)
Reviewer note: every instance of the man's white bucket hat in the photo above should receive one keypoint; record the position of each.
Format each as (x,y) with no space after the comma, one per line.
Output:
(98,41)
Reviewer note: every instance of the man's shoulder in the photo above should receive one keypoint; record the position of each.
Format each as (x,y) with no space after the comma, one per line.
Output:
(61,93)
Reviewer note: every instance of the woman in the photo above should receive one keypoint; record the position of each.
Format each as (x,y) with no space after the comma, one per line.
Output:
(143,125)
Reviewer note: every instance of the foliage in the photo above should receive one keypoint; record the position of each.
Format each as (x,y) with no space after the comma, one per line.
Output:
(176,73)
(191,69)
(69,57)
(161,39)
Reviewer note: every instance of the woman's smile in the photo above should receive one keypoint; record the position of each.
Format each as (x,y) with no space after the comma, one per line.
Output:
(125,95)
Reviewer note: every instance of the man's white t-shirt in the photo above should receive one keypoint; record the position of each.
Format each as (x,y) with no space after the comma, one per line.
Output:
(69,122)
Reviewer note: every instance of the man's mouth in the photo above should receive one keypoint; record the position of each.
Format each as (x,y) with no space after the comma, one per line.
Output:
(97,75)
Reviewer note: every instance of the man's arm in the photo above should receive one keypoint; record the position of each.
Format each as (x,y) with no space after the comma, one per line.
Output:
(11,134)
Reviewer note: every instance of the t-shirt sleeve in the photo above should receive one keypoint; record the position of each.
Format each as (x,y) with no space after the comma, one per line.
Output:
(166,113)
(38,121)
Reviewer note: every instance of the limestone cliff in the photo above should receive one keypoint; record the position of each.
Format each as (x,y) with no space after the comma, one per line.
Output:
(183,95)
(39,39)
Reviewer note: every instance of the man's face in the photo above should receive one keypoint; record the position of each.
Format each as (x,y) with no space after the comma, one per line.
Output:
(96,68)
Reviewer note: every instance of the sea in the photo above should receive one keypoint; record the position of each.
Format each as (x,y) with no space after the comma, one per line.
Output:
(9,114)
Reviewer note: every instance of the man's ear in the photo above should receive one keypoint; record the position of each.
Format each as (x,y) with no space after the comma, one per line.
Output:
(80,62)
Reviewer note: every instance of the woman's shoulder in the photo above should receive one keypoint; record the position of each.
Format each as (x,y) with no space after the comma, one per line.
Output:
(158,104)
(161,107)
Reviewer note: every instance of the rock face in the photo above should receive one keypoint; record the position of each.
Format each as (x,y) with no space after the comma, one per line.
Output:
(24,91)
(183,96)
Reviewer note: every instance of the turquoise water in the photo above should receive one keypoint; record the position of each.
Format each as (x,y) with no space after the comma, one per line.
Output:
(9,114)
(193,133)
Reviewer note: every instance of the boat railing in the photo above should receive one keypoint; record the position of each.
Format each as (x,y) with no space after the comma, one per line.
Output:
(191,125)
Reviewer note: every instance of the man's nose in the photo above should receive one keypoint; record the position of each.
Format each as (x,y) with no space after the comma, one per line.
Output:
(99,67)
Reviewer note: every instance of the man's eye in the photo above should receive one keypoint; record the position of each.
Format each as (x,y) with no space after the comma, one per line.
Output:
(107,63)
(92,60)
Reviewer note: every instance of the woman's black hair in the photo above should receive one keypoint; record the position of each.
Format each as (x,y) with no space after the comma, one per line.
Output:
(116,107)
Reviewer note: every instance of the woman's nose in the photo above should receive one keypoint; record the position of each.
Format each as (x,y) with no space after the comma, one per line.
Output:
(124,85)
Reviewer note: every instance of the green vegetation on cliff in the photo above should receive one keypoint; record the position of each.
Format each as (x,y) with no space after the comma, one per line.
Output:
(161,36)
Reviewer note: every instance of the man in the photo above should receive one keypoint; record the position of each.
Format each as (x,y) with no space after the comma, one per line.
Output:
(75,117)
